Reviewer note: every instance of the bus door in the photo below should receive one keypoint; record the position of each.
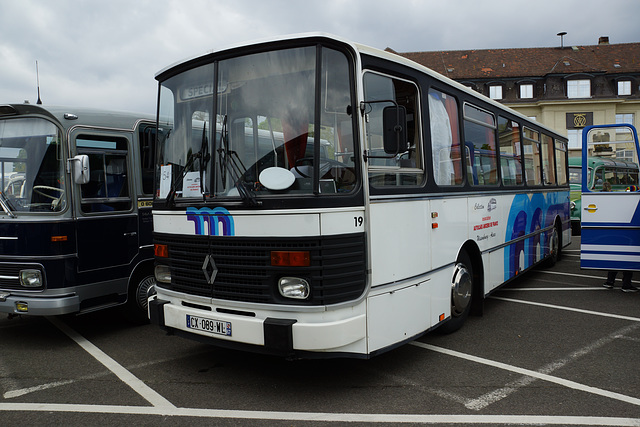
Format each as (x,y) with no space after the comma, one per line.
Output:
(610,219)
(107,226)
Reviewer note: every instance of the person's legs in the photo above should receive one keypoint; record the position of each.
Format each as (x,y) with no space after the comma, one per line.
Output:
(611,278)
(626,282)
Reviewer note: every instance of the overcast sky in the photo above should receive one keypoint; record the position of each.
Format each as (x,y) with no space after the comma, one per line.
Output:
(105,53)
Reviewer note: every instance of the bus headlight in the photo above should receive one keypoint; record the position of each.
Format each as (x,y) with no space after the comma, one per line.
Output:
(31,278)
(162,273)
(294,287)
(572,205)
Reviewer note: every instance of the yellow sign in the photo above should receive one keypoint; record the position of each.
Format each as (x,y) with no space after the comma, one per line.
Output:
(580,120)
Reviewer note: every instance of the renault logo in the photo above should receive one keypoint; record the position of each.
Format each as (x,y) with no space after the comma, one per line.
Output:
(209,269)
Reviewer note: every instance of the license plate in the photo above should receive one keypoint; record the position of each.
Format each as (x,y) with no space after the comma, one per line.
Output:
(213,326)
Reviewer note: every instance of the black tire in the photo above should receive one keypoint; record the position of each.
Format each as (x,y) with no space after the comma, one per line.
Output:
(137,302)
(555,247)
(461,294)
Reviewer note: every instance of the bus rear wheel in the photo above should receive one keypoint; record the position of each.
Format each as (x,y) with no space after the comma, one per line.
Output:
(555,246)
(461,294)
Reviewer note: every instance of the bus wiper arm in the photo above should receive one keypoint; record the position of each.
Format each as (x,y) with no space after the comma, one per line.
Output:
(230,161)
(6,205)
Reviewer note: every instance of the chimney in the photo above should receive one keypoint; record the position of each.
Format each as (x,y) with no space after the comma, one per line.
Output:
(603,40)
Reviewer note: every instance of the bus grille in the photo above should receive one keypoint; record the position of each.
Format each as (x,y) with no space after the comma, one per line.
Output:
(337,272)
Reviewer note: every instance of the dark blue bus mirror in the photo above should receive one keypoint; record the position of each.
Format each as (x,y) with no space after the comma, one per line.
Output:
(394,119)
(80,167)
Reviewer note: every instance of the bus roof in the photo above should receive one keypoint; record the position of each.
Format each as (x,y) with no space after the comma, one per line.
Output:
(361,49)
(73,116)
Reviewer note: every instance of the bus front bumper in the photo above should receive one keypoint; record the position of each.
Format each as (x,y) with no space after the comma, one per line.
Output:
(277,335)
(38,306)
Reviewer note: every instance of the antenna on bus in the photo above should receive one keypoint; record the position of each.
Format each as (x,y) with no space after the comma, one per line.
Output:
(39,101)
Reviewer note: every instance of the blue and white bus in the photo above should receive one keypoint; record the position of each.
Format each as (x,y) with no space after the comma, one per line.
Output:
(320,198)
(76,188)
(610,223)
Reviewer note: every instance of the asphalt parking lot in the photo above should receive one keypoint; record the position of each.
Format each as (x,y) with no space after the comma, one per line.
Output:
(553,348)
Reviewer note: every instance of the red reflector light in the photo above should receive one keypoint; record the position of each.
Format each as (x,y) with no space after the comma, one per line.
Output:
(161,251)
(59,238)
(290,258)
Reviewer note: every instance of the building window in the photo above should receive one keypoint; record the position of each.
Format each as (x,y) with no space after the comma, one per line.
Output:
(625,155)
(624,87)
(624,119)
(526,91)
(575,138)
(579,88)
(495,92)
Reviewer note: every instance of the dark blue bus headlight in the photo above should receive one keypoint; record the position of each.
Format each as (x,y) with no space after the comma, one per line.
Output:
(31,278)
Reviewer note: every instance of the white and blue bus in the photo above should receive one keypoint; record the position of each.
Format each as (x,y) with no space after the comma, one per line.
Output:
(76,188)
(320,198)
(610,225)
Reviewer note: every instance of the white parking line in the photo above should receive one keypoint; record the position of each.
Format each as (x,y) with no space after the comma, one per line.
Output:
(326,417)
(17,392)
(539,375)
(127,377)
(576,310)
(163,407)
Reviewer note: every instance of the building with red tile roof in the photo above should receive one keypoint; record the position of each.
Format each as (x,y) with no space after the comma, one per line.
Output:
(599,83)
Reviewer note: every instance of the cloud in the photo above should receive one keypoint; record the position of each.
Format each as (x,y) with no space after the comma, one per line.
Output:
(105,54)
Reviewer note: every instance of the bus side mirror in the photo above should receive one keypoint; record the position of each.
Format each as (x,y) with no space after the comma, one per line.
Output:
(394,121)
(80,167)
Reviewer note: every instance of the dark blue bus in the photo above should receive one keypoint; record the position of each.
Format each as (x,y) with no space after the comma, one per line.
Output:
(76,187)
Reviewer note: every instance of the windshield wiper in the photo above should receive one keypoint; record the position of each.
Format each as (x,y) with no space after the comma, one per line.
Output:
(204,157)
(6,205)
(230,161)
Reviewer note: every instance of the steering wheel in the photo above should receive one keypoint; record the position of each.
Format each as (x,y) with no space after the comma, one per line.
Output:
(42,189)
(325,165)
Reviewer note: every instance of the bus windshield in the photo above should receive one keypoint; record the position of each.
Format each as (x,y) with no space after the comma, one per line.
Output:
(31,166)
(271,124)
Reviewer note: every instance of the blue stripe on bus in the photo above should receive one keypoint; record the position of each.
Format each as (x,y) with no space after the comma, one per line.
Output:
(612,236)
(610,265)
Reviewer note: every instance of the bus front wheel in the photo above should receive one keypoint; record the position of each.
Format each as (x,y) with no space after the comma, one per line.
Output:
(461,293)
(137,301)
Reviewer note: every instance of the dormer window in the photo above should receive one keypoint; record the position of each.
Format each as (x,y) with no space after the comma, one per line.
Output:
(579,88)
(624,87)
(526,91)
(495,92)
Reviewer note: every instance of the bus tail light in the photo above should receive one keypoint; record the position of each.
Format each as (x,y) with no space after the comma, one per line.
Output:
(290,258)
(294,287)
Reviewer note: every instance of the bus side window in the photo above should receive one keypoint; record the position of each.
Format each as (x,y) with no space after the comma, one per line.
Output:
(445,138)
(510,152)
(548,160)
(108,187)
(406,168)
(147,140)
(480,146)
(561,161)
(531,147)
